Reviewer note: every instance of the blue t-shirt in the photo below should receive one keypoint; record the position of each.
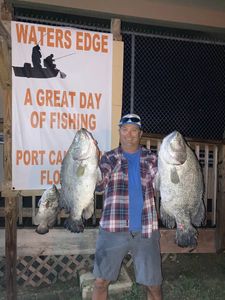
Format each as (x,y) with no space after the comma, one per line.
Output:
(134,190)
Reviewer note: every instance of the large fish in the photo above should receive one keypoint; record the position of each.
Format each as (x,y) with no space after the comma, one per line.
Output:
(79,173)
(180,182)
(48,210)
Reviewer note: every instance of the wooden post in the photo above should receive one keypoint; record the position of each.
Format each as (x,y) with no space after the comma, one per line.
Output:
(10,204)
(11,247)
(116,29)
(220,218)
(10,200)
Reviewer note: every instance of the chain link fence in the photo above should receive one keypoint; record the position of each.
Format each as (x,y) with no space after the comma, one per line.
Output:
(177,84)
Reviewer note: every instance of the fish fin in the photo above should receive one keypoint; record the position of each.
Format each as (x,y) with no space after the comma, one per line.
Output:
(63,205)
(80,170)
(174,177)
(99,175)
(36,220)
(51,223)
(167,220)
(88,211)
(156,182)
(186,237)
(200,216)
(75,226)
(39,202)
(52,219)
(62,201)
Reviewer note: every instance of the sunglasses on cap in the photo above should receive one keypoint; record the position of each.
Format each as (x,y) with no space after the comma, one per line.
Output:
(131,119)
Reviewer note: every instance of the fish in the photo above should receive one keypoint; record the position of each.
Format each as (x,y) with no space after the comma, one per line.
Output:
(48,210)
(180,181)
(78,177)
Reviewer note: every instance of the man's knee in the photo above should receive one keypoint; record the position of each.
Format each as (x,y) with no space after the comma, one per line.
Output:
(100,291)
(101,284)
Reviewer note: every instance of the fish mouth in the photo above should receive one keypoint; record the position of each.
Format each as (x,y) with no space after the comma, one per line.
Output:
(89,135)
(86,133)
(177,145)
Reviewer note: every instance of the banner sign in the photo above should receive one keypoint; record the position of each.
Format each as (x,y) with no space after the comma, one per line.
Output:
(61,82)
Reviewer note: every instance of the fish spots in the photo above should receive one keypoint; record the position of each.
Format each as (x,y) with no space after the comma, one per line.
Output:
(48,210)
(77,192)
(181,189)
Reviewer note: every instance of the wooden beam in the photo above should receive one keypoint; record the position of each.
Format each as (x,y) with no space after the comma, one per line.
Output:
(206,242)
(6,10)
(5,45)
(11,247)
(62,242)
(1,129)
(5,63)
(7,192)
(10,202)
(116,29)
(220,217)
(5,30)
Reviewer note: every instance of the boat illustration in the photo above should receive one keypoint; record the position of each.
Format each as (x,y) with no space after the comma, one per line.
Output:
(37,70)
(30,72)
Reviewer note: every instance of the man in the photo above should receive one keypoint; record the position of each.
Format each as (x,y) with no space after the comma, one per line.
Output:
(49,62)
(129,218)
(36,57)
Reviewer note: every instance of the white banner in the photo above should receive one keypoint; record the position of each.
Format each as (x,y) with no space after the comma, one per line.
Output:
(61,81)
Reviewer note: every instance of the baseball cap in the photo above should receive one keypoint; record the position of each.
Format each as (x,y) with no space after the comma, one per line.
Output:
(130,119)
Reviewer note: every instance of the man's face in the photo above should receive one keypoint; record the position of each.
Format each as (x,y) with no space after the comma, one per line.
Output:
(130,136)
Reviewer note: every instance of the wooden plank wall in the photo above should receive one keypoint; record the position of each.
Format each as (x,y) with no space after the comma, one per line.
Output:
(220,212)
(63,242)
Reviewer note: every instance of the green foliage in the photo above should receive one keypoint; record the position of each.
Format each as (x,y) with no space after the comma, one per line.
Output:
(137,293)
